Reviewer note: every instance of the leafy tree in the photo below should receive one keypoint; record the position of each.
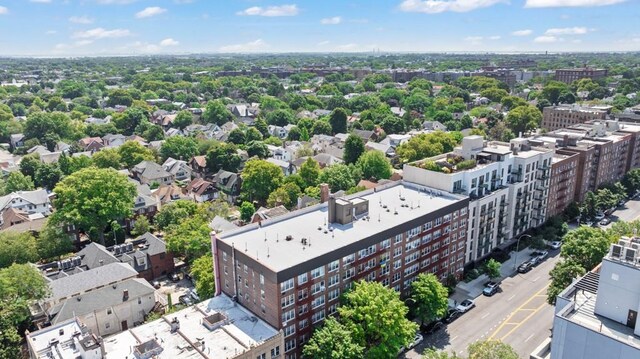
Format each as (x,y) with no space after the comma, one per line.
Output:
(280,117)
(353,148)
(141,226)
(492,269)
(246,211)
(216,112)
(259,179)
(261,125)
(374,164)
(524,118)
(53,242)
(338,120)
(562,275)
(132,153)
(237,137)
(321,127)
(427,145)
(491,349)
(435,354)
(190,238)
(183,119)
(310,171)
(202,273)
(79,162)
(128,121)
(430,298)
(585,246)
(109,157)
(16,247)
(339,177)
(376,317)
(92,198)
(30,164)
(279,197)
(253,134)
(48,175)
(16,181)
(119,97)
(294,134)
(223,156)
(179,147)
(258,149)
(392,124)
(174,213)
(332,341)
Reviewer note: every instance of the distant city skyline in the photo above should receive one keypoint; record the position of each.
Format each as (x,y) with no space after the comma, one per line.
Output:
(138,27)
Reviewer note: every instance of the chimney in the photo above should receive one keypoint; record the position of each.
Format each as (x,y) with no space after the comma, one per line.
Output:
(332,210)
(125,295)
(324,192)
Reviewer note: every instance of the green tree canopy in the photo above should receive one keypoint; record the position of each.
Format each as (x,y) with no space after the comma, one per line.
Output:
(493,269)
(16,247)
(524,118)
(374,164)
(259,179)
(216,112)
(16,181)
(338,120)
(353,148)
(246,211)
(332,341)
(174,213)
(223,156)
(491,349)
(202,273)
(183,119)
(585,246)
(309,172)
(179,147)
(92,198)
(562,275)
(340,177)
(132,153)
(109,157)
(430,298)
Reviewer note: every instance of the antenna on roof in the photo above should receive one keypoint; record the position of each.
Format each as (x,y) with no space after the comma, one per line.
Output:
(378,217)
(267,251)
(265,236)
(257,256)
(245,247)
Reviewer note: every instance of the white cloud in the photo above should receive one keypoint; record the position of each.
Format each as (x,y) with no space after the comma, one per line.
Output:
(83,42)
(169,42)
(567,31)
(546,39)
(526,32)
(3,10)
(50,32)
(570,3)
(270,11)
(323,43)
(100,33)
(81,20)
(115,2)
(150,11)
(41,1)
(495,37)
(331,20)
(252,46)
(439,6)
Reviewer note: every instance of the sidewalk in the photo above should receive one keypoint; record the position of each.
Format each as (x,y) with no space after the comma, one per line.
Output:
(474,288)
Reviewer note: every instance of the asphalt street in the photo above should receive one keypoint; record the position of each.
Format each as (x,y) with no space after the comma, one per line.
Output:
(517,315)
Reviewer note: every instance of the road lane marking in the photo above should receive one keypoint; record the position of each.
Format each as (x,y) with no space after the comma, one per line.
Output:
(523,321)
(528,338)
(517,309)
(511,297)
(454,338)
(484,316)
(536,279)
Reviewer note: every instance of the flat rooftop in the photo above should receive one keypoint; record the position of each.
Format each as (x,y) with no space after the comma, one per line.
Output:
(64,336)
(237,331)
(583,314)
(267,243)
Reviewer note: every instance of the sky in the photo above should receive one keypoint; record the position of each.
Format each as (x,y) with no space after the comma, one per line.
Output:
(138,27)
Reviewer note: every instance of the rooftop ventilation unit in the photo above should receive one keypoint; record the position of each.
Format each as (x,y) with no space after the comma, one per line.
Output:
(630,254)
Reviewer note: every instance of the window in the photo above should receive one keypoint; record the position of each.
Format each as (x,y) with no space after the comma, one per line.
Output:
(107,325)
(427,226)
(302,278)
(411,257)
(317,288)
(288,315)
(333,266)
(385,244)
(317,272)
(412,245)
(332,309)
(289,330)
(411,270)
(287,300)
(396,277)
(333,280)
(398,238)
(349,273)
(397,252)
(224,256)
(397,264)
(334,294)
(286,285)
(413,232)
(109,311)
(261,279)
(349,259)
(317,316)
(303,309)
(303,294)
(437,234)
(447,218)
(289,345)
(317,302)
(275,351)
(262,356)
(303,323)
(426,238)
(438,221)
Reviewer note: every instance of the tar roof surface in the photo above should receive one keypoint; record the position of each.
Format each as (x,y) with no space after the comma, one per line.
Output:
(279,254)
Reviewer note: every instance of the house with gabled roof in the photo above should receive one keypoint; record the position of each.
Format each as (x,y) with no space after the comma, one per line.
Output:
(201,190)
(178,168)
(229,184)
(148,172)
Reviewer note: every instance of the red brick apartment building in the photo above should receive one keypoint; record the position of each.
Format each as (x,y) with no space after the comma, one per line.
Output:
(557,117)
(564,180)
(570,75)
(291,270)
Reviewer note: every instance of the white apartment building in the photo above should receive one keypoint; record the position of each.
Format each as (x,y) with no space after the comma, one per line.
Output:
(507,184)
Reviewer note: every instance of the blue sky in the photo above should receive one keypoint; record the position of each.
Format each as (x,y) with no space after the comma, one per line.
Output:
(108,27)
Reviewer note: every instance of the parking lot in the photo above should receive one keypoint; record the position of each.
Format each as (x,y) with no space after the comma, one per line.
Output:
(175,289)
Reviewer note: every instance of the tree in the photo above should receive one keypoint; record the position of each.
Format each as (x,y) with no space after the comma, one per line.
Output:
(132,153)
(48,175)
(53,242)
(339,177)
(376,317)
(392,124)
(258,149)
(435,354)
(524,118)
(216,112)
(353,148)
(294,134)
(585,246)
(30,164)
(109,157)
(223,156)
(493,269)
(320,127)
(179,147)
(310,171)
(374,164)
(190,238)
(430,298)
(128,121)
(562,275)
(17,247)
(332,341)
(253,134)
(92,198)
(119,97)
(280,117)
(259,179)
(202,273)
(175,212)
(183,119)
(338,120)
(141,226)
(246,211)
(491,349)
(16,181)
(237,137)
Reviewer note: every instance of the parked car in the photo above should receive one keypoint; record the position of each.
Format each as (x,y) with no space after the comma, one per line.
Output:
(186,300)
(525,267)
(452,315)
(431,327)
(541,255)
(465,306)
(605,221)
(175,277)
(417,340)
(491,289)
(156,284)
(555,245)
(193,293)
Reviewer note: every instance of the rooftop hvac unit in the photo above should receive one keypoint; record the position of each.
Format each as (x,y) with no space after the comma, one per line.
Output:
(616,251)
(129,247)
(630,254)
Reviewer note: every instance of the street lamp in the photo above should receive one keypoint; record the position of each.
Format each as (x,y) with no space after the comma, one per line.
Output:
(515,259)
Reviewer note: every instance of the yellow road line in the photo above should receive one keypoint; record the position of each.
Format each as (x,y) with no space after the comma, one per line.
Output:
(523,321)
(515,311)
